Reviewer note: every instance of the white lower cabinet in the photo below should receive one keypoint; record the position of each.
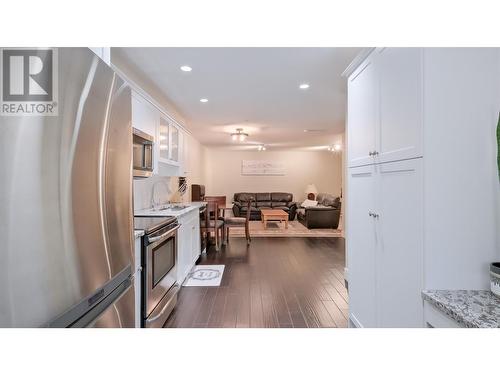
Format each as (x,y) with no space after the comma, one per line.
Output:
(400,248)
(435,318)
(361,248)
(188,246)
(384,246)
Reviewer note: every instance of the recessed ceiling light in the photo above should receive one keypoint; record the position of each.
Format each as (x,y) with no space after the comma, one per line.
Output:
(186,68)
(304,86)
(203,100)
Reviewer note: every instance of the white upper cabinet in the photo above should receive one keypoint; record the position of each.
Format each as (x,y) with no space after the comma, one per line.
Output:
(175,144)
(170,148)
(362,114)
(145,117)
(168,136)
(164,139)
(400,100)
(385,107)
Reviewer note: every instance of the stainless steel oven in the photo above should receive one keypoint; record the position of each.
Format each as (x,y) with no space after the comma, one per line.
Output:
(143,153)
(159,269)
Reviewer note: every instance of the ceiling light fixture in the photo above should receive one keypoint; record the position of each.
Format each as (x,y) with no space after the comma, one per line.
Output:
(335,148)
(186,68)
(304,86)
(203,100)
(239,135)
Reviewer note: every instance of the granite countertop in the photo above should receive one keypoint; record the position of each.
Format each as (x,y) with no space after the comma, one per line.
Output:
(469,308)
(138,233)
(169,212)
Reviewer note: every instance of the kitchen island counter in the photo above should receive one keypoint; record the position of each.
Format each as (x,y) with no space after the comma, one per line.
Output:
(468,308)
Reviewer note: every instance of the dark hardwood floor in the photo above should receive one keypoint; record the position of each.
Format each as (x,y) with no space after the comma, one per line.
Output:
(275,282)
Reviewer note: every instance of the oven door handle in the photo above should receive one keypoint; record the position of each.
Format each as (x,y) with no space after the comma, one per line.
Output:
(164,235)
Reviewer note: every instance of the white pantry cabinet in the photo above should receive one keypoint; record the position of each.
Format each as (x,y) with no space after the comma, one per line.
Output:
(188,247)
(399,227)
(362,260)
(385,107)
(384,240)
(432,190)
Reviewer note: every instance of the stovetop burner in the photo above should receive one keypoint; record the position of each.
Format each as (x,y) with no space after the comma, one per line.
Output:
(150,224)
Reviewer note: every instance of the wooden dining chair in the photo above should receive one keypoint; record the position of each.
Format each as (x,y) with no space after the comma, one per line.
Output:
(221,201)
(210,225)
(239,222)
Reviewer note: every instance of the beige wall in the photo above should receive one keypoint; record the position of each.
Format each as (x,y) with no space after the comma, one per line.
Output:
(223,166)
(196,164)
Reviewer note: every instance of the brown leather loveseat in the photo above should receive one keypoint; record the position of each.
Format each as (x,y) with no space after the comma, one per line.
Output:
(283,201)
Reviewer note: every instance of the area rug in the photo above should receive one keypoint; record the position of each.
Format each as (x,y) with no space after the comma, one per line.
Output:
(207,275)
(275,229)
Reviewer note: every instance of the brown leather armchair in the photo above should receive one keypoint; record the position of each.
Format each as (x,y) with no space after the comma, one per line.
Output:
(325,215)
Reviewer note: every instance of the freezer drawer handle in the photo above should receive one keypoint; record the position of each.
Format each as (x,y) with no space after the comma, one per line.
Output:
(175,288)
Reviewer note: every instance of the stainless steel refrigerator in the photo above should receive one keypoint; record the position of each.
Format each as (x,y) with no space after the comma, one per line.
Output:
(66,229)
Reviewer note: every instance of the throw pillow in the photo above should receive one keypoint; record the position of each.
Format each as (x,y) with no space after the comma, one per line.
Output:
(309,203)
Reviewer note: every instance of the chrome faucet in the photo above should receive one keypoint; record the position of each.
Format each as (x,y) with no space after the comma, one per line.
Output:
(154,202)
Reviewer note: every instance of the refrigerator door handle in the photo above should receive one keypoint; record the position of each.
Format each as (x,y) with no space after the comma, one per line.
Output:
(83,308)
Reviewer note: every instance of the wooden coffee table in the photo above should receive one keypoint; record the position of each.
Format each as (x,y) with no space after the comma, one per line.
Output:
(274,215)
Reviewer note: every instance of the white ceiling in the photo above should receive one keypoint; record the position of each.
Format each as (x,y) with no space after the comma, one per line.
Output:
(255,89)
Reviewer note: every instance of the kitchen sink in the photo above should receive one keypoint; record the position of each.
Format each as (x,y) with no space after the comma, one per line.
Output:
(178,208)
(171,208)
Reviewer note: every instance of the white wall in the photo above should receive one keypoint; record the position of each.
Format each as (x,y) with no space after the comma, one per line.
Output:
(461,102)
(224,177)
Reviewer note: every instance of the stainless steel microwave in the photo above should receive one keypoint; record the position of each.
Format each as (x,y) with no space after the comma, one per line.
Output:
(143,153)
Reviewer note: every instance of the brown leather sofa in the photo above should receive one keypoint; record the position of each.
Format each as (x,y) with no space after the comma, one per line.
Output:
(283,201)
(325,215)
